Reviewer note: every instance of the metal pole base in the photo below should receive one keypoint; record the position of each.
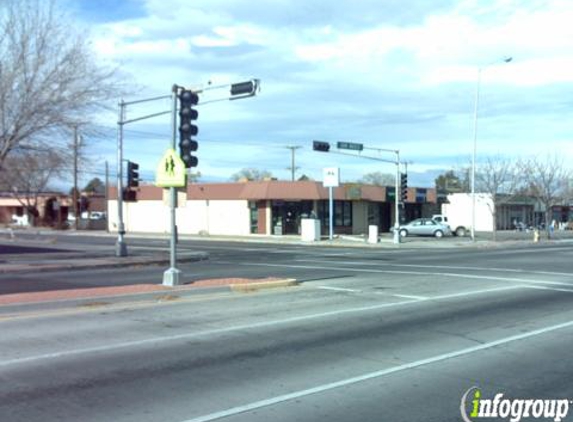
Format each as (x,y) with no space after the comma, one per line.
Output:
(172,277)
(396,236)
(120,248)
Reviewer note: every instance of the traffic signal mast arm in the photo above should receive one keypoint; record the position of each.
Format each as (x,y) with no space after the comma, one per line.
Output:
(323,146)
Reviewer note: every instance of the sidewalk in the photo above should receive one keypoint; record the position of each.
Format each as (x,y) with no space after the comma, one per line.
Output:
(385,240)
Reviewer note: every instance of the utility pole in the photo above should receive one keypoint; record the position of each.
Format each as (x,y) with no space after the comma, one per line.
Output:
(106,196)
(292,167)
(75,193)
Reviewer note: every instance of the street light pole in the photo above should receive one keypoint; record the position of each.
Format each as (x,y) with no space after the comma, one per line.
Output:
(474,154)
(396,238)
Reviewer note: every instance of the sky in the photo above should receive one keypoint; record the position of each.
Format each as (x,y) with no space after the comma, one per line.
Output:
(390,74)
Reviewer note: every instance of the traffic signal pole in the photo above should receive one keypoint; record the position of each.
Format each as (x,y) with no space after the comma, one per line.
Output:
(397,192)
(396,237)
(171,276)
(237,91)
(325,147)
(120,246)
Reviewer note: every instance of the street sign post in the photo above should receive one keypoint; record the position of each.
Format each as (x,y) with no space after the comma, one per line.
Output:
(330,179)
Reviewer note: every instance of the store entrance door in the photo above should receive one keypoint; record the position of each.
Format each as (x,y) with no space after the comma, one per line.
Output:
(287,215)
(291,217)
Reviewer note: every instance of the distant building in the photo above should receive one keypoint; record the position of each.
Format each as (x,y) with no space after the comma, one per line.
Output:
(52,208)
(268,207)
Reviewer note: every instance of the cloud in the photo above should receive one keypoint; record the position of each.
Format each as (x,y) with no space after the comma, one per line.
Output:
(399,74)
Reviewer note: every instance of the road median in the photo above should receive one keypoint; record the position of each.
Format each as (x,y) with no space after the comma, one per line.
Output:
(136,292)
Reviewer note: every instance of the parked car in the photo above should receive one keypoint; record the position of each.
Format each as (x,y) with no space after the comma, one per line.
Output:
(97,215)
(459,229)
(424,227)
(20,220)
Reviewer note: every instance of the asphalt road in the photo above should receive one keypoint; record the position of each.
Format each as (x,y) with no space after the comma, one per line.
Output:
(370,335)
(259,260)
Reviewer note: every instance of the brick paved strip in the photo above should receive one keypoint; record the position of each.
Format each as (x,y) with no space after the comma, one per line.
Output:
(79,293)
(134,289)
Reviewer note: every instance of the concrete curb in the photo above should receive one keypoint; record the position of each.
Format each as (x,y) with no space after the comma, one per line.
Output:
(251,287)
(384,243)
(98,298)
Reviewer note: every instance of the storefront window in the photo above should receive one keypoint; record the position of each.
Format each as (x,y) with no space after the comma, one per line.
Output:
(254,212)
(342,213)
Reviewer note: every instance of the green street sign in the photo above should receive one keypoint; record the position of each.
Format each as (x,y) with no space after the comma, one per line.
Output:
(390,194)
(171,172)
(350,145)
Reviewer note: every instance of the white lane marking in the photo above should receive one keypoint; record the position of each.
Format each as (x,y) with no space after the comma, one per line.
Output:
(410,296)
(264,324)
(338,289)
(553,289)
(422,273)
(445,267)
(376,374)
(512,280)
(524,251)
(344,289)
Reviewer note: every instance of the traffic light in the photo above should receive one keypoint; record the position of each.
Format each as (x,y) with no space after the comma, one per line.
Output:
(243,88)
(187,99)
(404,186)
(132,175)
(320,146)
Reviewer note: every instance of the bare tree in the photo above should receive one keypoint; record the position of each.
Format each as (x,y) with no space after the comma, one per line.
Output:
(50,80)
(499,178)
(28,175)
(378,178)
(95,185)
(251,174)
(547,181)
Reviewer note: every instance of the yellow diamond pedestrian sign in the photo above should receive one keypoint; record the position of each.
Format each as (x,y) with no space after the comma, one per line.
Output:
(171,171)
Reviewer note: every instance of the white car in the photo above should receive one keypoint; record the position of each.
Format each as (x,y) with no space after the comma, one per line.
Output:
(424,227)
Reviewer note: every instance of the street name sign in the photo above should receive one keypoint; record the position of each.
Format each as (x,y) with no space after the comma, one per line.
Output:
(350,145)
(171,172)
